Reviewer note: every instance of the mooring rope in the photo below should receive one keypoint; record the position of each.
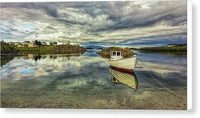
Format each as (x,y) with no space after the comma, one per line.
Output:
(170,91)
(144,68)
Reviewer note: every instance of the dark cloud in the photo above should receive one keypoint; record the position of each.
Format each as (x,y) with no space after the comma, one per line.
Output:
(102,21)
(161,40)
(51,10)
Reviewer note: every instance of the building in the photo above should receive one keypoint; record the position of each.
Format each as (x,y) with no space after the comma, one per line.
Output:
(32,45)
(44,43)
(53,43)
(66,42)
(48,43)
(26,41)
(20,45)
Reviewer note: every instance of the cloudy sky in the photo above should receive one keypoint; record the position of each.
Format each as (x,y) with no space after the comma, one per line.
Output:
(130,23)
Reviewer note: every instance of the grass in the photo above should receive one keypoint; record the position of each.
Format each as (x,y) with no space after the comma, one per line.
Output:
(182,48)
(57,49)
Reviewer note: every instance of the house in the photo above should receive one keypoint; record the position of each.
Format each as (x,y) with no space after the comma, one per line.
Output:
(48,43)
(32,45)
(26,41)
(44,43)
(66,42)
(53,43)
(20,45)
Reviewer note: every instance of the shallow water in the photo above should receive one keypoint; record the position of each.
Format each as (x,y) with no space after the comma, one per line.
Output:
(84,81)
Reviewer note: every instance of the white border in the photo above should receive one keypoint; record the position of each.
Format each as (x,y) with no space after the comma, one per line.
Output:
(189,55)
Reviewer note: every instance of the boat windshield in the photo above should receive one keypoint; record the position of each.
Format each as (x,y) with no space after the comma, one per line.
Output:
(116,54)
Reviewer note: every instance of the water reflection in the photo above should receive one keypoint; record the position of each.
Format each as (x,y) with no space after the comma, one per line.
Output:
(37,57)
(5,60)
(127,79)
(172,54)
(66,81)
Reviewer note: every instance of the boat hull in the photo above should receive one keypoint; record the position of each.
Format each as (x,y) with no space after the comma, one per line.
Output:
(123,65)
(124,70)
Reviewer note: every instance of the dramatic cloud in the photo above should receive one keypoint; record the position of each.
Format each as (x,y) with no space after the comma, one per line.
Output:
(113,23)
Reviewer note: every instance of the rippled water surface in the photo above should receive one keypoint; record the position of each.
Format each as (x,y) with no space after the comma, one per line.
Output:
(85,81)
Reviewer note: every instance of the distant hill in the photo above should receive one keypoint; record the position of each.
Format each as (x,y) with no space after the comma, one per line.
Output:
(94,47)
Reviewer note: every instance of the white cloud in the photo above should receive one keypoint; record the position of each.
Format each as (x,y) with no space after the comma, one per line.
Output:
(94,21)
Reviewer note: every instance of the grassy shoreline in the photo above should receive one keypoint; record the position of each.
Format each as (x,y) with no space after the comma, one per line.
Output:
(165,48)
(57,49)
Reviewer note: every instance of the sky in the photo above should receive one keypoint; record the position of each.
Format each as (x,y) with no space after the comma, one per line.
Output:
(104,24)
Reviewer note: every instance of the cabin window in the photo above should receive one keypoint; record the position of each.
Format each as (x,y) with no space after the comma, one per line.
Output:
(114,53)
(118,53)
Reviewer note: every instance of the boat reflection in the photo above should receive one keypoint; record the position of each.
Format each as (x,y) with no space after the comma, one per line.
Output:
(128,79)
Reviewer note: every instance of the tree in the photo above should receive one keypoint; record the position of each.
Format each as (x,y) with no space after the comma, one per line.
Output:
(38,43)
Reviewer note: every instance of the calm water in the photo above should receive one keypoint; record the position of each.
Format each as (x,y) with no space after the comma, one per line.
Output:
(85,81)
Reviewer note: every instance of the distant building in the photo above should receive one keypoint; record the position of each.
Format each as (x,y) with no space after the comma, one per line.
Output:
(26,41)
(20,45)
(44,43)
(66,42)
(53,43)
(59,43)
(32,45)
(48,43)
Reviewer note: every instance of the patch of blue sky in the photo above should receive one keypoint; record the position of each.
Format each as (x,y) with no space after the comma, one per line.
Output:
(27,27)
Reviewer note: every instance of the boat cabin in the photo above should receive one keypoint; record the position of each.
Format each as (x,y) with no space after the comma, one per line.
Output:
(116,55)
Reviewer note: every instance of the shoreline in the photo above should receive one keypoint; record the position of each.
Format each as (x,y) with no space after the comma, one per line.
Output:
(163,49)
(57,49)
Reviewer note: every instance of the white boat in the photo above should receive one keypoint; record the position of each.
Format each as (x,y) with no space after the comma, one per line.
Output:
(117,62)
(125,78)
